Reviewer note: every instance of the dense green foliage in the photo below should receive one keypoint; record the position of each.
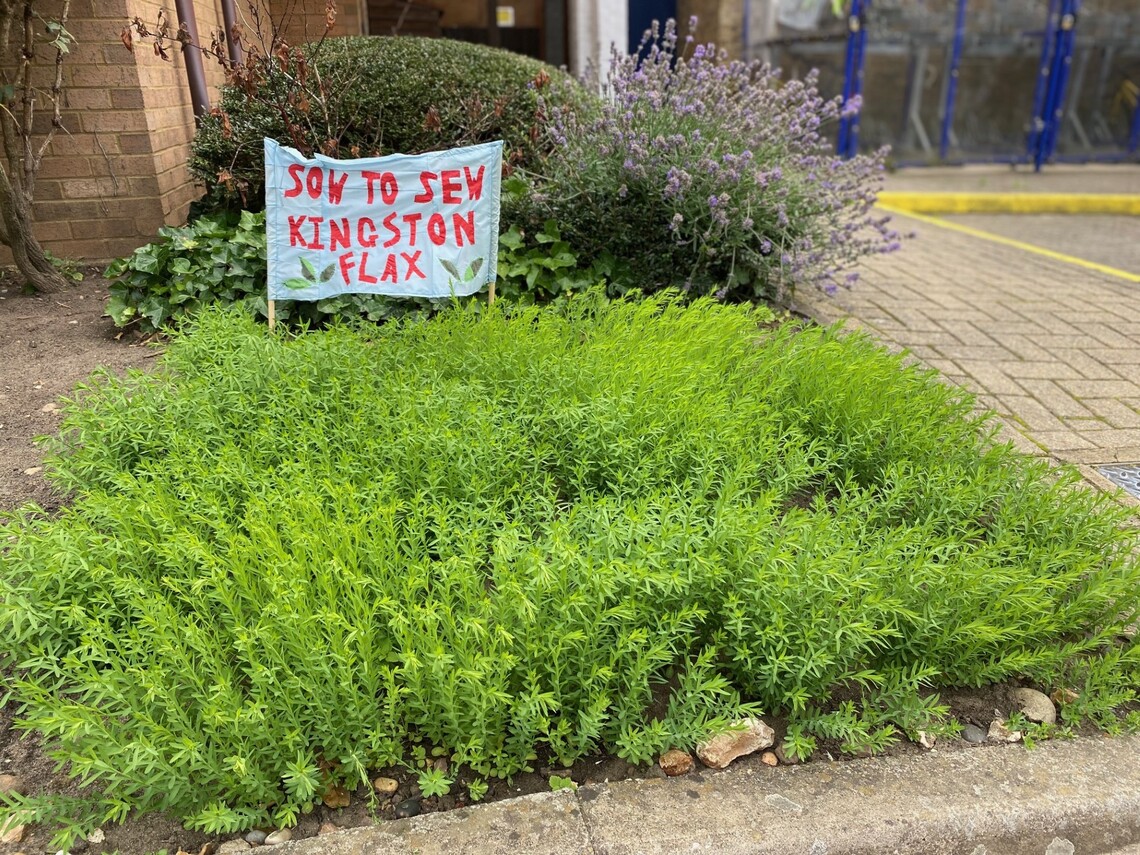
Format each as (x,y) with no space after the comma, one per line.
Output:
(359,97)
(220,259)
(215,259)
(290,561)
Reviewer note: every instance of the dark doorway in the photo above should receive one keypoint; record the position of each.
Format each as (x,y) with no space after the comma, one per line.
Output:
(642,14)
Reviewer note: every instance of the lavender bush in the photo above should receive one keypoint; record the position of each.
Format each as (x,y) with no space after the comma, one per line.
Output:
(711,174)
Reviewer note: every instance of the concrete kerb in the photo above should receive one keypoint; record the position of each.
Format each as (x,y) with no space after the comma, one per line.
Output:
(1081,796)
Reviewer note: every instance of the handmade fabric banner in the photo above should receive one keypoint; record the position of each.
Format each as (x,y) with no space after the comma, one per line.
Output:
(422,225)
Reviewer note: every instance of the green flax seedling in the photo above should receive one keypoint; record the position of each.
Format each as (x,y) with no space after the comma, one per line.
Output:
(504,535)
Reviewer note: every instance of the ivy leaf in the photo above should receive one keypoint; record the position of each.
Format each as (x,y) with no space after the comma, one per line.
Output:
(328,272)
(473,270)
(307,269)
(450,268)
(511,239)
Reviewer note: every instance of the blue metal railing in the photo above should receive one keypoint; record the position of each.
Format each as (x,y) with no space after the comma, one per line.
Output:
(1049,94)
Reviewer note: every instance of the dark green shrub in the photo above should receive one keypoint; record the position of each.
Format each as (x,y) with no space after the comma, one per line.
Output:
(377,95)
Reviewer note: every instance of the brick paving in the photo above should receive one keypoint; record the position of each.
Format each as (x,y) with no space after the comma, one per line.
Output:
(1110,240)
(1053,348)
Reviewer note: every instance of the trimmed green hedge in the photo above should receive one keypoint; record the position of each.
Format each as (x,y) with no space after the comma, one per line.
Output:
(382,95)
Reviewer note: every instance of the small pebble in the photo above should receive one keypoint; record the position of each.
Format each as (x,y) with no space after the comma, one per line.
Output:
(385,786)
(973,733)
(408,807)
(97,836)
(35,470)
(1035,705)
(256,837)
(1000,733)
(674,762)
(12,832)
(768,758)
(279,836)
(327,828)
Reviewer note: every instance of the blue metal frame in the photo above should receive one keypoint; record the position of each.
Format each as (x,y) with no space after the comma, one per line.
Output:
(853,76)
(1054,108)
(1057,45)
(1043,77)
(952,86)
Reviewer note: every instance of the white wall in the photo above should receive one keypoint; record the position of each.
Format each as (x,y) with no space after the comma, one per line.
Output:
(595,25)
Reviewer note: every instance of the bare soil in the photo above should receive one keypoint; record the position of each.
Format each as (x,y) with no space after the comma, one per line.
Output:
(50,344)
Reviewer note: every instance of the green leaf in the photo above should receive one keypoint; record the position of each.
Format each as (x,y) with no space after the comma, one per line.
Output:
(473,269)
(511,239)
(328,272)
(145,261)
(250,221)
(549,234)
(308,270)
(450,268)
(515,186)
(297,283)
(118,310)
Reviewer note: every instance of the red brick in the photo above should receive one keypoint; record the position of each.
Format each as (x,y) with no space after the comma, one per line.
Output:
(65,167)
(53,231)
(127,99)
(87,99)
(114,121)
(135,144)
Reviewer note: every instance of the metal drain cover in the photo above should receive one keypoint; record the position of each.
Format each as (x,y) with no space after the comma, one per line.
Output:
(1125,476)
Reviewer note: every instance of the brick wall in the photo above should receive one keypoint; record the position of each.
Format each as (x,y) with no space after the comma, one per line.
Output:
(305,19)
(119,172)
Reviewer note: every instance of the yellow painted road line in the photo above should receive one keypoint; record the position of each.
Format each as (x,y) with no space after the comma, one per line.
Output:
(1014,203)
(1028,247)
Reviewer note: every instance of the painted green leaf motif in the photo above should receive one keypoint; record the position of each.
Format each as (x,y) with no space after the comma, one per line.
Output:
(450,268)
(307,269)
(328,272)
(297,283)
(473,270)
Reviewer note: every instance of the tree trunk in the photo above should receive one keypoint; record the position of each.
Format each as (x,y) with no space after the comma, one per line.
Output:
(21,156)
(16,233)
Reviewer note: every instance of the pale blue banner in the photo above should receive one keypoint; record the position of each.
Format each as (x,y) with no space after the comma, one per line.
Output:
(424,225)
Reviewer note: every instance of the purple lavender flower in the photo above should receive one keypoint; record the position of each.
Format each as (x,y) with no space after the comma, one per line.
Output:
(734,163)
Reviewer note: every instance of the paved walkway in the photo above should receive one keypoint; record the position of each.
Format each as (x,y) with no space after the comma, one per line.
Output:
(1052,347)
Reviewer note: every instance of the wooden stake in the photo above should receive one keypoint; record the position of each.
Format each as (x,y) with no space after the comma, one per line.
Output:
(272,314)
(491,294)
